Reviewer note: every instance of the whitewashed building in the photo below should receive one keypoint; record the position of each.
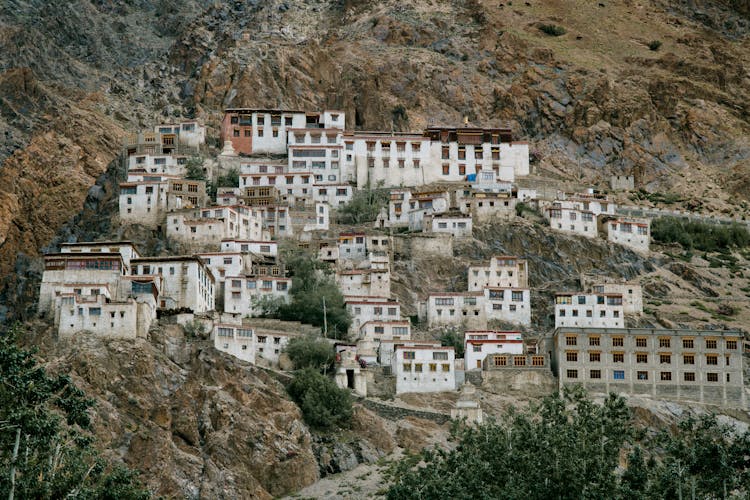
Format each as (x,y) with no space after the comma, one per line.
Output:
(510,305)
(424,369)
(364,309)
(173,165)
(188,132)
(242,293)
(503,271)
(456,224)
(211,225)
(126,249)
(481,343)
(146,201)
(186,282)
(250,344)
(633,233)
(589,310)
(632,295)
(572,220)
(365,282)
(265,248)
(456,308)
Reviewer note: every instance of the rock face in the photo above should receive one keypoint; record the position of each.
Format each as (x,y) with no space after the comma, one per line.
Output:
(197,423)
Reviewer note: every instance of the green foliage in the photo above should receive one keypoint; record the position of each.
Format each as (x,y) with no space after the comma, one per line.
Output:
(195,169)
(56,458)
(229,179)
(452,338)
(324,406)
(310,352)
(654,45)
(552,29)
(569,447)
(364,206)
(699,235)
(664,198)
(312,285)
(398,115)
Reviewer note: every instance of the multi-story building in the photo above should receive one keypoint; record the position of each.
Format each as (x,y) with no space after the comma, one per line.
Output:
(456,308)
(63,270)
(630,232)
(393,159)
(373,333)
(126,249)
(424,369)
(456,224)
(597,310)
(572,220)
(252,131)
(365,282)
(210,226)
(503,271)
(508,304)
(249,343)
(364,309)
(104,317)
(242,294)
(632,294)
(188,132)
(482,343)
(175,165)
(485,207)
(147,200)
(186,282)
(704,366)
(265,248)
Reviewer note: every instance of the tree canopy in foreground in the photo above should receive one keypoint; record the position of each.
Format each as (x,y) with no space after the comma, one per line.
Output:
(569,447)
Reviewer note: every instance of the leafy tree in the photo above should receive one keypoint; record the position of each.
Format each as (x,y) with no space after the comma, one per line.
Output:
(324,406)
(46,420)
(310,352)
(229,179)
(312,287)
(569,447)
(454,339)
(194,169)
(699,235)
(364,206)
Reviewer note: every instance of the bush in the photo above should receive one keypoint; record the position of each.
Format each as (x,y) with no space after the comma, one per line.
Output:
(194,169)
(654,45)
(552,29)
(310,352)
(452,338)
(230,179)
(324,406)
(699,235)
(364,206)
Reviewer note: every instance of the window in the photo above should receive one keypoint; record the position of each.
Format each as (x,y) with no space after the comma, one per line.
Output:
(665,376)
(407,367)
(712,359)
(572,373)
(712,377)
(618,357)
(537,361)
(642,375)
(641,357)
(688,359)
(617,341)
(433,367)
(519,360)
(516,296)
(687,344)
(446,367)
(731,344)
(95,311)
(710,343)
(418,367)
(595,374)
(571,340)
(443,301)
(409,355)
(500,360)
(446,152)
(664,342)
(640,341)
(595,357)
(618,374)
(571,356)
(689,376)
(446,169)
(665,359)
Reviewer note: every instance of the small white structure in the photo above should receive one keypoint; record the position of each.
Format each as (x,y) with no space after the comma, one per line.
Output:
(349,374)
(265,248)
(242,293)
(250,344)
(209,226)
(632,295)
(510,305)
(467,407)
(424,369)
(175,165)
(147,199)
(364,309)
(365,282)
(186,282)
(103,317)
(589,310)
(373,333)
(572,220)
(503,271)
(480,343)
(456,224)
(634,233)
(126,249)
(189,132)
(456,308)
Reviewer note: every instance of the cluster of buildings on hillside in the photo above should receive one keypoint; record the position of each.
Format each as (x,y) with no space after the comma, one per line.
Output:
(294,170)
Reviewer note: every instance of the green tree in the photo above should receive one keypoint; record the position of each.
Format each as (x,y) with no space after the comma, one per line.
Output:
(45,418)
(194,168)
(230,179)
(453,339)
(324,406)
(364,206)
(310,352)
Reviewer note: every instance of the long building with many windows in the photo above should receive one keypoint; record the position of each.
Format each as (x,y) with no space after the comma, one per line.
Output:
(704,366)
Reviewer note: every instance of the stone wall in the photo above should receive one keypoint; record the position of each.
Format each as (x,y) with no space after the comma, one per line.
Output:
(529,382)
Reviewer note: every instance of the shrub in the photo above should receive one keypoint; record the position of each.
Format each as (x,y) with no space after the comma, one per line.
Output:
(654,45)
(323,404)
(230,179)
(364,206)
(194,169)
(552,29)
(452,338)
(699,235)
(310,352)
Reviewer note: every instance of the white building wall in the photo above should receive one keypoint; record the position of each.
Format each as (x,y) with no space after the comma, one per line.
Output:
(512,305)
(632,234)
(632,295)
(175,165)
(126,250)
(267,248)
(102,319)
(582,223)
(589,311)
(241,293)
(236,340)
(363,311)
(185,282)
(481,343)
(424,369)
(456,309)
(503,272)
(459,227)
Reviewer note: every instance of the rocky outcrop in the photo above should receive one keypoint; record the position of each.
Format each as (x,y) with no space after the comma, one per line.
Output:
(197,423)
